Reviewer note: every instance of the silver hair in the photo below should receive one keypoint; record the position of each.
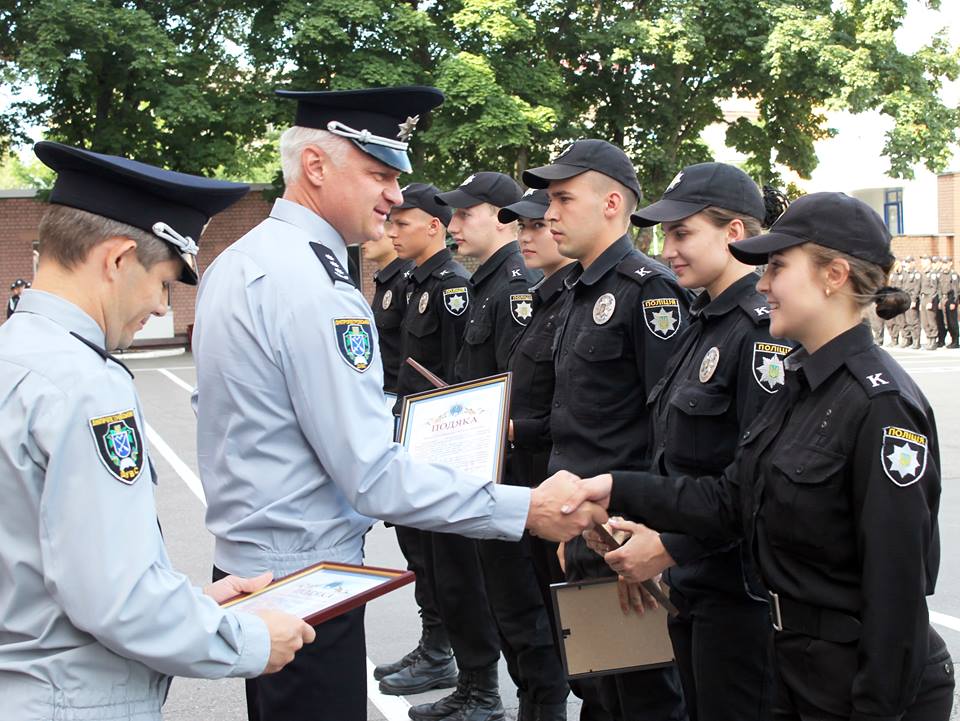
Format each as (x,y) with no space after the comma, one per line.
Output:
(295,139)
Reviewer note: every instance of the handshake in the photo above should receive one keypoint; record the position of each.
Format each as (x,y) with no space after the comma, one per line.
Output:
(565,505)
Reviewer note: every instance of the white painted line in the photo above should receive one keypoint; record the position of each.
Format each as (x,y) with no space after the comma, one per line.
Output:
(176,379)
(179,467)
(150,354)
(942,619)
(393,708)
(167,368)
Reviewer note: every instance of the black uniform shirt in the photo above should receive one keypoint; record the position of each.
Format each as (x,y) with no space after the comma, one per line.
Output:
(726,368)
(624,320)
(836,488)
(502,307)
(531,361)
(437,310)
(388,305)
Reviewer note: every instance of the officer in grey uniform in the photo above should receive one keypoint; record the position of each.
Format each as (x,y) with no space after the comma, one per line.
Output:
(911,317)
(293,431)
(94,621)
(929,299)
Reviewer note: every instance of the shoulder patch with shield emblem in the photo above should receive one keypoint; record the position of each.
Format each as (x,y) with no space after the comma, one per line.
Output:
(456,300)
(903,455)
(119,445)
(521,307)
(662,317)
(354,342)
(768,370)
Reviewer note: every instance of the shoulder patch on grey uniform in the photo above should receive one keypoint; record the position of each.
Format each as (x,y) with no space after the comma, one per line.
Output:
(354,342)
(903,454)
(331,264)
(119,445)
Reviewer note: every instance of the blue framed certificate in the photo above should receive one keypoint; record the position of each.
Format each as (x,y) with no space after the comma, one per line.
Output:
(463,426)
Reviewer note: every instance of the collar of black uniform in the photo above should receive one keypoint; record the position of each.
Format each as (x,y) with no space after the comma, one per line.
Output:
(422,272)
(607,261)
(727,300)
(547,288)
(819,366)
(393,267)
(495,261)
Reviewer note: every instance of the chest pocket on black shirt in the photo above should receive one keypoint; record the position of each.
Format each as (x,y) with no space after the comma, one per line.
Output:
(600,361)
(478,330)
(699,431)
(422,325)
(806,503)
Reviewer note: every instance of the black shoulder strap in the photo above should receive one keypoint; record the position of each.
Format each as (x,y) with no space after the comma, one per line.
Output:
(101,352)
(331,264)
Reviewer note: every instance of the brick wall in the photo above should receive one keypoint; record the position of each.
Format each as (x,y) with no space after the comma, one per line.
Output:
(19,219)
(948,203)
(917,245)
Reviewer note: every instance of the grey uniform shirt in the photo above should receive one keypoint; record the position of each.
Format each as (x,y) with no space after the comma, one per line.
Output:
(291,412)
(93,619)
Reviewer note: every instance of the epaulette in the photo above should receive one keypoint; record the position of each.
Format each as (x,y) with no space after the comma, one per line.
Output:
(332,265)
(516,272)
(101,352)
(756,308)
(874,372)
(641,269)
(445,272)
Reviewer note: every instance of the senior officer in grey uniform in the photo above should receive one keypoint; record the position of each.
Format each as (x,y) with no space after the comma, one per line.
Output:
(624,319)
(293,432)
(93,619)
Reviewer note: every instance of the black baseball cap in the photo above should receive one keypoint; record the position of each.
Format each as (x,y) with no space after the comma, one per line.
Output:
(833,220)
(533,204)
(581,156)
(700,186)
(423,197)
(18,283)
(497,189)
(379,121)
(173,206)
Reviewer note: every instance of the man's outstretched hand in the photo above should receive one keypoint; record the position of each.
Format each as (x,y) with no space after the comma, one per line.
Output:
(551,515)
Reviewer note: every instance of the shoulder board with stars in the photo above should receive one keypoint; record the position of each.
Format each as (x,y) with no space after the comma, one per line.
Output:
(332,265)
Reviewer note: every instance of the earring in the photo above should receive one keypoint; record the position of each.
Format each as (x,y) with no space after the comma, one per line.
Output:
(827,291)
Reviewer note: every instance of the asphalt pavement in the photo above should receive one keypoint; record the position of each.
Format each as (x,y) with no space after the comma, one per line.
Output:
(392,626)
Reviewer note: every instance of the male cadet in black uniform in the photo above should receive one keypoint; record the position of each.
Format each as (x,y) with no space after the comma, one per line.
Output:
(895,325)
(437,296)
(16,288)
(911,317)
(500,286)
(950,280)
(388,303)
(929,299)
(625,316)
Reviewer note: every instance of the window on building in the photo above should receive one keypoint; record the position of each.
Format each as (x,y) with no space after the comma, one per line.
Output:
(893,210)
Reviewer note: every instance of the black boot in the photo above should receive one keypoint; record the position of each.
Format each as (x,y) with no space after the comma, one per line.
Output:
(483,702)
(446,706)
(386,669)
(549,712)
(434,667)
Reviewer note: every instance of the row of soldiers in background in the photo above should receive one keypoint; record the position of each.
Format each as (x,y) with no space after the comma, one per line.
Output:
(934,290)
(16,288)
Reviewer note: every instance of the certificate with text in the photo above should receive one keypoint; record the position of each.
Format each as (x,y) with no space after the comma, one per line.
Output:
(463,426)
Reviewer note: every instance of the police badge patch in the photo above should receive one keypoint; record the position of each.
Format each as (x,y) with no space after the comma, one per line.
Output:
(456,300)
(387,297)
(662,316)
(119,445)
(603,308)
(354,342)
(422,305)
(768,369)
(903,455)
(521,307)
(709,364)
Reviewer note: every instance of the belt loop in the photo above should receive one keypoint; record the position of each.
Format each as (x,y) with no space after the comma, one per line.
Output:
(775,618)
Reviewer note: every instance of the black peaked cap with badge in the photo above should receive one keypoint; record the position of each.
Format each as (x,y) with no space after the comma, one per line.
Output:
(497,189)
(423,196)
(833,220)
(533,204)
(700,186)
(173,206)
(379,121)
(581,156)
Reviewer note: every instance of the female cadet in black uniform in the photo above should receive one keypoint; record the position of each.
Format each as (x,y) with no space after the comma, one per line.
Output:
(518,575)
(726,368)
(835,487)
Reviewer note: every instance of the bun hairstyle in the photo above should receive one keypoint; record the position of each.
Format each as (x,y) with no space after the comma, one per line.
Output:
(775,202)
(869,281)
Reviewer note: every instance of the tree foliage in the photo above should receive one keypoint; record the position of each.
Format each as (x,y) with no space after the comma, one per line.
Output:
(188,84)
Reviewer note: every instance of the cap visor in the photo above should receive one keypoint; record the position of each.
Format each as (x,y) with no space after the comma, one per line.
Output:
(396,159)
(457,199)
(757,250)
(541,177)
(665,211)
(522,209)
